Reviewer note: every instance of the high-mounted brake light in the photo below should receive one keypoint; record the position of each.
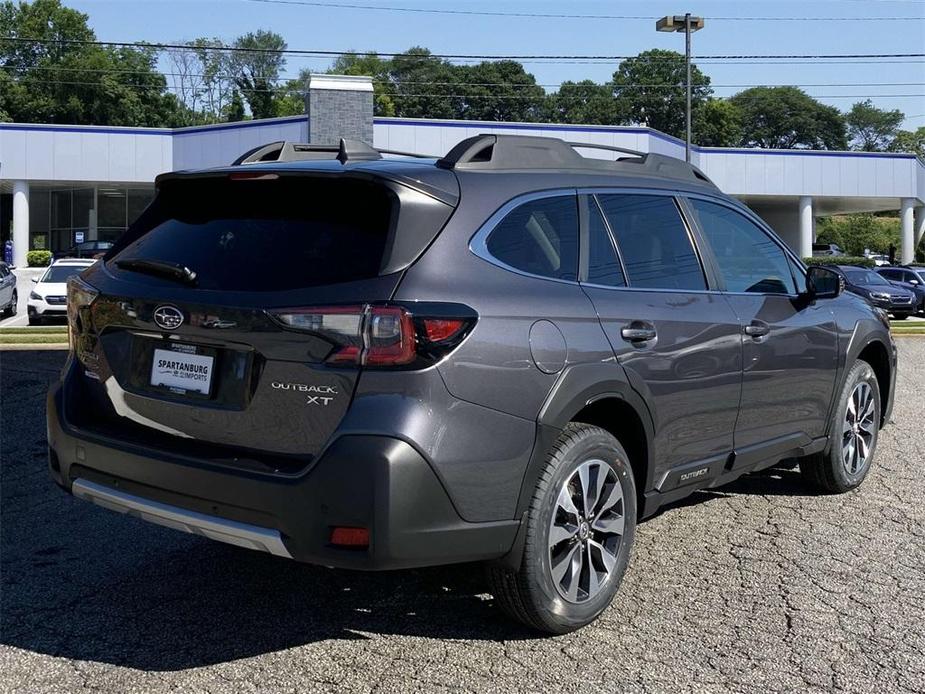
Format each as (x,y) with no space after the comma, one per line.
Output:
(379,336)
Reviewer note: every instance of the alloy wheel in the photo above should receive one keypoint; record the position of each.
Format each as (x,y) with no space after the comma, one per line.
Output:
(586,531)
(858,429)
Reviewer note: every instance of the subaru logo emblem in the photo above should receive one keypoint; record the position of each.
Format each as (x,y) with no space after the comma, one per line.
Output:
(168,317)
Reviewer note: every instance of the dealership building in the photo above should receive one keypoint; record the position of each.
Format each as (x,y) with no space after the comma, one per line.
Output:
(61,184)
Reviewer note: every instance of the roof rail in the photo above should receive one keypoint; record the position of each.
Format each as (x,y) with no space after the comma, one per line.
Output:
(346,151)
(518,152)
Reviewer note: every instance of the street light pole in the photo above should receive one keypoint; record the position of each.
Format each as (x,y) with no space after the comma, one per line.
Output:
(688,25)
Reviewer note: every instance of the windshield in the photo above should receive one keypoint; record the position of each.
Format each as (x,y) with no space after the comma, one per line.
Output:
(60,273)
(864,277)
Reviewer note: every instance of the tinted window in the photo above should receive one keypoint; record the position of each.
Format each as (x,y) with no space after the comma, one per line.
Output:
(540,237)
(265,235)
(603,264)
(60,273)
(864,277)
(749,259)
(653,241)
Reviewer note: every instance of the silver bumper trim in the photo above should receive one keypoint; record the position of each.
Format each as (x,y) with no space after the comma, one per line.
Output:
(212,527)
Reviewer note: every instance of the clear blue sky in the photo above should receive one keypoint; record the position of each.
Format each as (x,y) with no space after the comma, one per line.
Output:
(327,28)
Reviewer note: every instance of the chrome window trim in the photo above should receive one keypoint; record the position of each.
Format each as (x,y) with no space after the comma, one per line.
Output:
(478,244)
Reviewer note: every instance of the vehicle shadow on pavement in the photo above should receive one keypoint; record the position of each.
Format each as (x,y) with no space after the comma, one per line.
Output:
(83,583)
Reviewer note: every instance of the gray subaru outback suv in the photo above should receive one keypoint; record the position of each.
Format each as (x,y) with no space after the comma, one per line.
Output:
(509,355)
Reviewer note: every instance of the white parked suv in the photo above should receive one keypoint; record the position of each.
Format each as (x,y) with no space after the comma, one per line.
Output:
(49,297)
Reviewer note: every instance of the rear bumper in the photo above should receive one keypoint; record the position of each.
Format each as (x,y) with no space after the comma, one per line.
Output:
(375,482)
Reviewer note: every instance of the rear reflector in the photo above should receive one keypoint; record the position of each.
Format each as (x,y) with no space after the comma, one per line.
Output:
(440,329)
(350,537)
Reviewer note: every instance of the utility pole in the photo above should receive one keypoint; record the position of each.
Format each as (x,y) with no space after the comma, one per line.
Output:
(688,25)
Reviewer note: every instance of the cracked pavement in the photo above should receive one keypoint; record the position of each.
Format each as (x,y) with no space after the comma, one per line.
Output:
(760,586)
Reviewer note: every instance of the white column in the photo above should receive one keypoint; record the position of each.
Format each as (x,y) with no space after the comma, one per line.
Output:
(20,222)
(905,221)
(919,226)
(807,227)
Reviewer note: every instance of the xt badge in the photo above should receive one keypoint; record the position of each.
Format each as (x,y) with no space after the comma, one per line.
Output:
(314,395)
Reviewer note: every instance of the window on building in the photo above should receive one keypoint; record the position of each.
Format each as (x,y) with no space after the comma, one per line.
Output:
(749,259)
(656,248)
(539,237)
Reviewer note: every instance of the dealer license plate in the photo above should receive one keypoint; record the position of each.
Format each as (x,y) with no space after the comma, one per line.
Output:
(182,370)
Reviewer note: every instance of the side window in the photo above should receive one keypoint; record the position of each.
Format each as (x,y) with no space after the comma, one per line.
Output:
(539,237)
(603,264)
(749,260)
(656,248)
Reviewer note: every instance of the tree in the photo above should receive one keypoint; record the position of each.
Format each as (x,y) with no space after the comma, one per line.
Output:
(498,91)
(788,118)
(910,141)
(59,78)
(582,102)
(650,90)
(370,64)
(717,123)
(425,86)
(856,233)
(234,111)
(871,129)
(256,64)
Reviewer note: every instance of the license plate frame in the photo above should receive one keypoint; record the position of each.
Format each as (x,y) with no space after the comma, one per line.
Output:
(172,382)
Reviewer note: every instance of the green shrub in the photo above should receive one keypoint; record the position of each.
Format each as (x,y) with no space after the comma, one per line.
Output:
(38,258)
(840,260)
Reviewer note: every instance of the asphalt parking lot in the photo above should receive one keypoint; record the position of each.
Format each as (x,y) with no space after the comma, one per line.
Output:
(759,586)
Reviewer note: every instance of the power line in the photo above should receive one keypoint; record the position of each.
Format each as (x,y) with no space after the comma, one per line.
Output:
(328,53)
(287,90)
(521,85)
(555,15)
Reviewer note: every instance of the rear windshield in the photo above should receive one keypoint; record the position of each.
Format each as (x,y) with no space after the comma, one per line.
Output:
(61,273)
(264,235)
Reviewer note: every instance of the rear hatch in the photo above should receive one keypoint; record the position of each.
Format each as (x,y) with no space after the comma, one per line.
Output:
(224,324)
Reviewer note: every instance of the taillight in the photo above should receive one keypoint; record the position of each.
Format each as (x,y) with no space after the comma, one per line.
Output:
(383,336)
(80,296)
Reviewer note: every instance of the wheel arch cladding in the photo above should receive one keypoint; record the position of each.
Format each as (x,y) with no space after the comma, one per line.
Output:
(875,353)
(599,394)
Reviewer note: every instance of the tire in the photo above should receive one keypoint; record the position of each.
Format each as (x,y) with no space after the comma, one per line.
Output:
(838,469)
(900,316)
(14,303)
(35,320)
(532,594)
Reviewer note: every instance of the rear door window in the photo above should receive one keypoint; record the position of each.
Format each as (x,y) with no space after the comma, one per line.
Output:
(540,237)
(272,235)
(656,248)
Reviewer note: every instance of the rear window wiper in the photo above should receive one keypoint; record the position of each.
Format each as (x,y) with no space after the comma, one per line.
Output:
(159,268)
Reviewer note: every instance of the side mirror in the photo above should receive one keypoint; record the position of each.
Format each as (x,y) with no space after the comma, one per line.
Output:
(823,283)
(913,282)
(35,280)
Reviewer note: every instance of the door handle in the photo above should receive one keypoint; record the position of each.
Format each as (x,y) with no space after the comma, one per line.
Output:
(757,329)
(638,331)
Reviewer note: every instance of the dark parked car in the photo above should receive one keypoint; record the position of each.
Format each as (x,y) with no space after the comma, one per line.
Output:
(824,249)
(510,355)
(879,291)
(87,249)
(912,279)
